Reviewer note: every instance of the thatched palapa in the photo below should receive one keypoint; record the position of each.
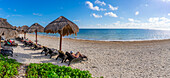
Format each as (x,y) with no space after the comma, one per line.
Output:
(63,26)
(14,27)
(6,30)
(36,28)
(24,29)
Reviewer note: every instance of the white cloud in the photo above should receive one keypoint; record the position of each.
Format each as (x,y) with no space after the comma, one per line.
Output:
(164,20)
(154,19)
(98,24)
(168,14)
(122,18)
(102,9)
(132,20)
(166,0)
(137,13)
(37,14)
(163,23)
(99,2)
(113,8)
(91,6)
(111,14)
(96,16)
(159,20)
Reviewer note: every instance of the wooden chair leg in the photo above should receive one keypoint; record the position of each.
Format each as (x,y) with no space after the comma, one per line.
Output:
(57,58)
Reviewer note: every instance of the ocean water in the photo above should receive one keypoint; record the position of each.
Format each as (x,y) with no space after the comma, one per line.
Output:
(118,34)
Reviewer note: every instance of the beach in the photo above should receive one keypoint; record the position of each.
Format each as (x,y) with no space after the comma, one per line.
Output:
(110,59)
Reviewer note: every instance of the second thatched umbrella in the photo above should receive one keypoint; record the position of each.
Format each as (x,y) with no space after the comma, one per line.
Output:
(24,29)
(6,30)
(35,28)
(63,26)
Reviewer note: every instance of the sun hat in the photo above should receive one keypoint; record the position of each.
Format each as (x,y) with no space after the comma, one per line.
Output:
(71,52)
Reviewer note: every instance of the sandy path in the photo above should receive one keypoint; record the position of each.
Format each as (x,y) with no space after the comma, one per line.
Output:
(141,59)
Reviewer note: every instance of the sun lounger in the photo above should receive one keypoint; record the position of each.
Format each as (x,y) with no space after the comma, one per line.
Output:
(36,47)
(71,58)
(19,39)
(61,55)
(6,52)
(45,49)
(28,44)
(52,52)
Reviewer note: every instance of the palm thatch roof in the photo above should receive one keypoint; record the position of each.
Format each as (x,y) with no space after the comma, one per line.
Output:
(62,26)
(35,27)
(19,30)
(6,29)
(24,28)
(14,27)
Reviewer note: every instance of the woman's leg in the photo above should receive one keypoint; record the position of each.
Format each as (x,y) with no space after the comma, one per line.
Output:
(78,54)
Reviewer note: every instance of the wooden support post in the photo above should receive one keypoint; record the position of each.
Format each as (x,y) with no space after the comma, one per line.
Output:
(36,36)
(24,35)
(60,41)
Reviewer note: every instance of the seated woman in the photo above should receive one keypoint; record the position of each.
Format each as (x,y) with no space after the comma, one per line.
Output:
(76,55)
(9,43)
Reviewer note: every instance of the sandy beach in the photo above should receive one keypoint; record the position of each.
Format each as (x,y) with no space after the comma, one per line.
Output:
(135,59)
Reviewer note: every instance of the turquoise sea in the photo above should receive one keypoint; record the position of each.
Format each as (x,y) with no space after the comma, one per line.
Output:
(118,34)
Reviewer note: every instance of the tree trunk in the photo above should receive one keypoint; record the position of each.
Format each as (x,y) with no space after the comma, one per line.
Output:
(60,41)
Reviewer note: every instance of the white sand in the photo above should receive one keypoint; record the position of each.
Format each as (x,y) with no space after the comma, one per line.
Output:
(141,59)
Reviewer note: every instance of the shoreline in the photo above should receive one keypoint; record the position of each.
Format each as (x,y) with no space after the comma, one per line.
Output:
(105,40)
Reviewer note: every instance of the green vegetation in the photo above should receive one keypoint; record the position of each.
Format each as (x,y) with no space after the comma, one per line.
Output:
(48,70)
(8,67)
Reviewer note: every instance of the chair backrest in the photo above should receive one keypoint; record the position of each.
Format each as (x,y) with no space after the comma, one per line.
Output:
(45,48)
(69,55)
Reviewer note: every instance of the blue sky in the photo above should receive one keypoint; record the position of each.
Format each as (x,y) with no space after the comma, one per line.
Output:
(89,13)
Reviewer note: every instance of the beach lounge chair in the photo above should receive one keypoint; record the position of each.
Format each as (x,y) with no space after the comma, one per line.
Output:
(36,47)
(7,51)
(18,39)
(45,49)
(61,55)
(27,44)
(71,58)
(52,52)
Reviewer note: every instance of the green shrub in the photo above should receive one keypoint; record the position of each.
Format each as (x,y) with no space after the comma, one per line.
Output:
(8,67)
(48,70)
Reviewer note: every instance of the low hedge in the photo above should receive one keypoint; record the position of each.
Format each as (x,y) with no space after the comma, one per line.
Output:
(48,70)
(8,67)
